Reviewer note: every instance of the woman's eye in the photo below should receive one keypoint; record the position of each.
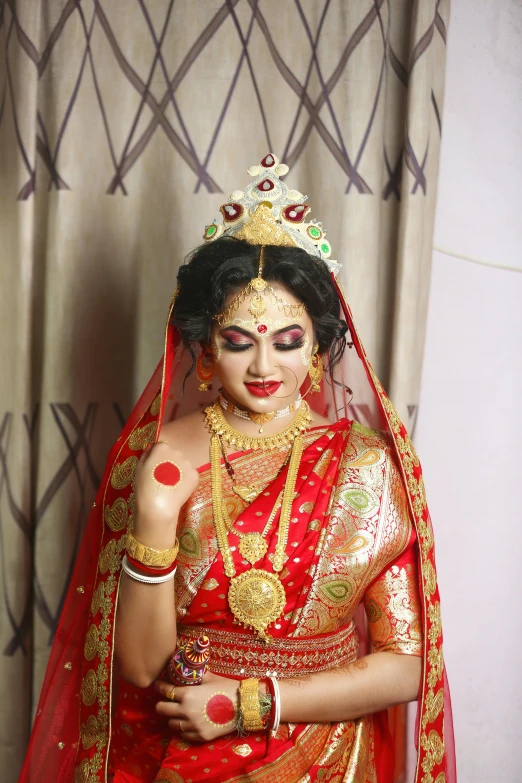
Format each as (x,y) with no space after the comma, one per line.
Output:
(228,345)
(290,346)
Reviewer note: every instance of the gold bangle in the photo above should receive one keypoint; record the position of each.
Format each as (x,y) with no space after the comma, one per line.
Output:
(148,556)
(249,705)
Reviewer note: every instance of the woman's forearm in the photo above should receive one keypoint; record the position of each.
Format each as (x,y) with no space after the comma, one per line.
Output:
(367,685)
(145,634)
(145,631)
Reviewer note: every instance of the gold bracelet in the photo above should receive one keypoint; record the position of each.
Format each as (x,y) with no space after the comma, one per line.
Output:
(250,706)
(148,556)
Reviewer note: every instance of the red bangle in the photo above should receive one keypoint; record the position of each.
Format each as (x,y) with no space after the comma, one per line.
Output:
(148,570)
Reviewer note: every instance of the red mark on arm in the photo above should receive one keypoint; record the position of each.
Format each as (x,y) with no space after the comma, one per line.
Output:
(167,473)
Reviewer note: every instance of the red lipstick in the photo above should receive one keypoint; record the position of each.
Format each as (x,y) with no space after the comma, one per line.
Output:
(266,389)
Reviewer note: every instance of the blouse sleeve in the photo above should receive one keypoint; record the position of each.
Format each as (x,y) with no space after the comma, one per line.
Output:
(392,605)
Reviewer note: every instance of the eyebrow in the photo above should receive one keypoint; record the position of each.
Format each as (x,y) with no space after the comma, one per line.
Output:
(289,328)
(239,329)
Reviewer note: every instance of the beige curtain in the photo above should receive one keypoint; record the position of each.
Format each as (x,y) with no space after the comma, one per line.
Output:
(123,127)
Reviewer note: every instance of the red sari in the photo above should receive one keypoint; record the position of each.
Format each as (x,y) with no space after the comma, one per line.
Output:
(353,540)
(350,540)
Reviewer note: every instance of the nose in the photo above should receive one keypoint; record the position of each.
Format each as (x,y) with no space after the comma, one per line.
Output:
(263,364)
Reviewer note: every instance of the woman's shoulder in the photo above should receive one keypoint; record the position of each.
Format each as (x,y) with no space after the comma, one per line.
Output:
(371,474)
(362,438)
(187,422)
(190,435)
(318,420)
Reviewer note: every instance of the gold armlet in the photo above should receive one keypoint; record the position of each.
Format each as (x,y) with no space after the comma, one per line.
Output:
(151,557)
(250,705)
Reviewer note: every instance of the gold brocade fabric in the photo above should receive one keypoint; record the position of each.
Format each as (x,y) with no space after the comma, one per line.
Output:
(352,506)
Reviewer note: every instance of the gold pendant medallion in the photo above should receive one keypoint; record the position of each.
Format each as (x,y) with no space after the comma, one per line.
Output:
(252,547)
(257,306)
(256,598)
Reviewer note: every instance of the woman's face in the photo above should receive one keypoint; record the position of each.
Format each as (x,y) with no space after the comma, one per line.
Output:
(262,364)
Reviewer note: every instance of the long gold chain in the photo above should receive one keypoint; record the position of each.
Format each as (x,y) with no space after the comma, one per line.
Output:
(249,491)
(286,505)
(217,505)
(256,598)
(253,546)
(232,529)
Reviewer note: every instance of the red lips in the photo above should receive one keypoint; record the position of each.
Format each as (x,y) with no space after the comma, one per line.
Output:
(266,389)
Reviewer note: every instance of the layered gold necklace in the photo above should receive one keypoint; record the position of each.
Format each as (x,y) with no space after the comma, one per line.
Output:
(256,597)
(248,492)
(217,424)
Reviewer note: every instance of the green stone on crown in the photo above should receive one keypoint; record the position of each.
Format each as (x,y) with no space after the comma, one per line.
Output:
(325,248)
(212,232)
(314,232)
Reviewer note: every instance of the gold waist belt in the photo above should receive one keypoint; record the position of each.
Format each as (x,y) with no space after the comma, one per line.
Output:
(243,655)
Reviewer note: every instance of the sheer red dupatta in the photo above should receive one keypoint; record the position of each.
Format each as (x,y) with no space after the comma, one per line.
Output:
(71,733)
(434,738)
(71,730)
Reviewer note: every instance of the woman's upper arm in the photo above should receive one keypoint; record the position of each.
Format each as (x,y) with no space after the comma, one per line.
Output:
(392,604)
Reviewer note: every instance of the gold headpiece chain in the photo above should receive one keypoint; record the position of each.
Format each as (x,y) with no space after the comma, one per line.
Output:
(260,291)
(261,262)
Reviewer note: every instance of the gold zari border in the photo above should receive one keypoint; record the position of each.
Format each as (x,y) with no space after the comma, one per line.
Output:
(431,741)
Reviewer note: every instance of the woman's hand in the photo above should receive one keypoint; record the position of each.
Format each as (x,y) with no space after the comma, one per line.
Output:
(206,711)
(164,482)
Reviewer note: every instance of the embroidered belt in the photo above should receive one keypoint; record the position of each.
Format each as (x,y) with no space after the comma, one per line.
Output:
(239,654)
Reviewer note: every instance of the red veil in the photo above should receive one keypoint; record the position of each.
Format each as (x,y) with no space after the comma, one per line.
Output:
(71,734)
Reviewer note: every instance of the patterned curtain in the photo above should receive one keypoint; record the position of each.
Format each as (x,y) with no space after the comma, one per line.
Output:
(123,126)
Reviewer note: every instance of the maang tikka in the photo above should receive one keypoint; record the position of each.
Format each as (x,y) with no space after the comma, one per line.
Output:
(260,291)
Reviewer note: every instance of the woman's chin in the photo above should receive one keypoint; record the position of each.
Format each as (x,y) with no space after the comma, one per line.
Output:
(259,404)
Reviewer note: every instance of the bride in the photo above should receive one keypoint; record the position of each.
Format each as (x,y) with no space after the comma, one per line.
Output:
(244,506)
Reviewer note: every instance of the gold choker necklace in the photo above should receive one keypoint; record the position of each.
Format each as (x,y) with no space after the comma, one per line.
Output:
(259,418)
(218,425)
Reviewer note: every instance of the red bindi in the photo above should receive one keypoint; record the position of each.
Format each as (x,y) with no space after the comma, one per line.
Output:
(262,328)
(220,709)
(167,473)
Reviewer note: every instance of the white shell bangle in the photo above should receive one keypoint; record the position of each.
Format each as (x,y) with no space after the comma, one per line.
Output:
(145,578)
(277,711)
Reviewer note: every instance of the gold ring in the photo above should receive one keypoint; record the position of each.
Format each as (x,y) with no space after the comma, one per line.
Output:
(181,730)
(171,694)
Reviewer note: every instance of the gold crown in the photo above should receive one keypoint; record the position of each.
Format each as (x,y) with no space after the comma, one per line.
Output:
(267,212)
(263,229)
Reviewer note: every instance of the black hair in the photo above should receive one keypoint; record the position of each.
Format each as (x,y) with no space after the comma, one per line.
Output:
(215,270)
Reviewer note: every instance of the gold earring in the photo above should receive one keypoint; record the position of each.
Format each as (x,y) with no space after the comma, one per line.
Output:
(205,370)
(315,370)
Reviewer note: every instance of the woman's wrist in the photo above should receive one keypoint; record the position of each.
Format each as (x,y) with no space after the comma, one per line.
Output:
(151,556)
(150,534)
(258,706)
